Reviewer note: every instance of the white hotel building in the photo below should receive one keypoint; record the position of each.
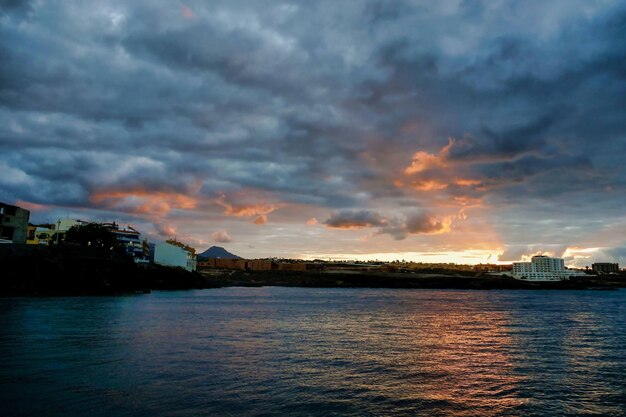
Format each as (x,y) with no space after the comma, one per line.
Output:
(543,268)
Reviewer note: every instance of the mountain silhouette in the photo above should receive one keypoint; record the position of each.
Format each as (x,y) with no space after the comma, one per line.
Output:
(217,252)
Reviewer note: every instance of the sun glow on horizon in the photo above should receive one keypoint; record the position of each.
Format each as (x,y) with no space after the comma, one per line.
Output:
(469,257)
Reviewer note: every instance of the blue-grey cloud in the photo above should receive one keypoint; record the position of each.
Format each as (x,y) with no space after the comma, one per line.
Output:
(321,105)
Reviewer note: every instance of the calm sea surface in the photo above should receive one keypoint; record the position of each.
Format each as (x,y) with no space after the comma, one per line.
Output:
(323,352)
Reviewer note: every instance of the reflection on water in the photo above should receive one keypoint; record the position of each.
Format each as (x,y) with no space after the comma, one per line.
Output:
(277,351)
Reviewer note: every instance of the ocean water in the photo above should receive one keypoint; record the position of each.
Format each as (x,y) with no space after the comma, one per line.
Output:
(315,352)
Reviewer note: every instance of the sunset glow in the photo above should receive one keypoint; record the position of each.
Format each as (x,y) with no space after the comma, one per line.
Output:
(449,131)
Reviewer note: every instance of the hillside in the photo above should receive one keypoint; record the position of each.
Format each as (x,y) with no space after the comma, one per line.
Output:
(217,252)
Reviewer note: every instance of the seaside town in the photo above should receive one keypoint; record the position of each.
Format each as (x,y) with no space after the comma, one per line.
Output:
(17,229)
(313,208)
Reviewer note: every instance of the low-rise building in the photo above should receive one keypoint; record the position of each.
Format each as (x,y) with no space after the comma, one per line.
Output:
(130,239)
(13,224)
(40,234)
(56,234)
(173,253)
(256,265)
(224,263)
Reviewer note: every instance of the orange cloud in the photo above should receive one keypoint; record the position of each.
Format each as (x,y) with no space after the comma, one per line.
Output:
(428,185)
(153,203)
(349,226)
(431,185)
(262,219)
(466,182)
(245,210)
(312,221)
(423,161)
(468,201)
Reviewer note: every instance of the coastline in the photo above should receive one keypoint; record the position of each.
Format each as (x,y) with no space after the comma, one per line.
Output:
(402,280)
(76,271)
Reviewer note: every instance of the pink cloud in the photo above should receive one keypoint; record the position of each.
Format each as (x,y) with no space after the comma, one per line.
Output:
(221,236)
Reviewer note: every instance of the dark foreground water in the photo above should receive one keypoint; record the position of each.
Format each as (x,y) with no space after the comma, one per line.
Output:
(296,351)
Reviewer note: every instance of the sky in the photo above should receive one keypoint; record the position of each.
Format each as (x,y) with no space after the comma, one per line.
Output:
(447,131)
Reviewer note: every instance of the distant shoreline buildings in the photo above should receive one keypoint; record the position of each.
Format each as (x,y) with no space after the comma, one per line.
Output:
(544,268)
(605,268)
(16,229)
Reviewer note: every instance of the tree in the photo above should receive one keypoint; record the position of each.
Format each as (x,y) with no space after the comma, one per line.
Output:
(91,234)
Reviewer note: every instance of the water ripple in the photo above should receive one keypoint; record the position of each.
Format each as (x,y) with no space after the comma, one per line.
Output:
(316,352)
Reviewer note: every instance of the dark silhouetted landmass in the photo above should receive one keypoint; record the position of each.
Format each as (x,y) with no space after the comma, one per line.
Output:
(29,270)
(217,252)
(403,280)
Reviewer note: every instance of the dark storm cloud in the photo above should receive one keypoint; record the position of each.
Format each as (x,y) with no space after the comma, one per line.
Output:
(17,7)
(416,222)
(355,219)
(423,223)
(318,103)
(509,143)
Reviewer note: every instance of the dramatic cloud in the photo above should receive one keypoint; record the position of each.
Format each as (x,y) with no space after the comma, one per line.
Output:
(424,223)
(399,228)
(450,125)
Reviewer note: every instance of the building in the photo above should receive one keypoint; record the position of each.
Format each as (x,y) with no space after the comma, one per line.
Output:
(605,268)
(543,268)
(13,224)
(151,247)
(53,233)
(225,263)
(56,234)
(255,265)
(173,253)
(130,239)
(39,234)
